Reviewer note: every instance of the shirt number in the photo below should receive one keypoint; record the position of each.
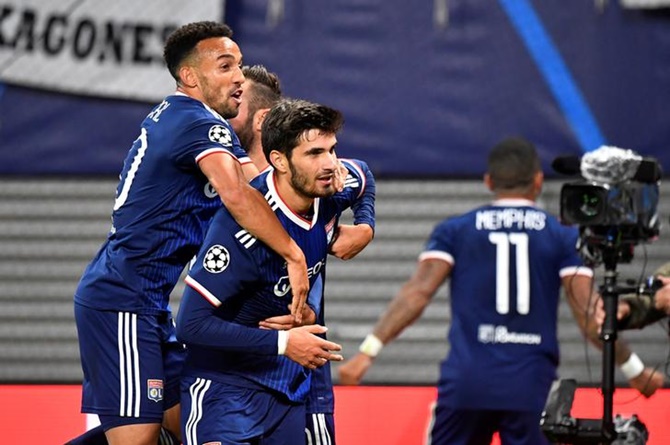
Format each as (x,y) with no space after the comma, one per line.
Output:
(519,241)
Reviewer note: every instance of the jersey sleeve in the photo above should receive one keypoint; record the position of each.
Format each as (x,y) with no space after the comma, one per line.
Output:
(207,136)
(223,269)
(571,263)
(358,193)
(440,245)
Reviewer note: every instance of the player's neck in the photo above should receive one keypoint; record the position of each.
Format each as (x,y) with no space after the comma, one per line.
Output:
(299,204)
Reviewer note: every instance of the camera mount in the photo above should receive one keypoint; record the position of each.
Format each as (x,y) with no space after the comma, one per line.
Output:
(556,423)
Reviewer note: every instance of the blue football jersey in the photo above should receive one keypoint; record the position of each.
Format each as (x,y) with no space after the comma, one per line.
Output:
(508,260)
(237,281)
(162,209)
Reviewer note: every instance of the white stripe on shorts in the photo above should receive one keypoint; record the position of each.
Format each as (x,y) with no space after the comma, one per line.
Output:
(129,365)
(197,391)
(320,430)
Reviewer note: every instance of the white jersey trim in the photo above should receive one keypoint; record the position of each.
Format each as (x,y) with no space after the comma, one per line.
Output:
(275,201)
(351,180)
(211,151)
(436,255)
(202,291)
(575,270)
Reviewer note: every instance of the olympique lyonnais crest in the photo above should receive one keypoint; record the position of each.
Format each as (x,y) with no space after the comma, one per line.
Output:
(155,390)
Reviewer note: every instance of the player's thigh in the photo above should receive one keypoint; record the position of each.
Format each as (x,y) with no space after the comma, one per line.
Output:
(451,426)
(137,434)
(521,428)
(122,358)
(320,429)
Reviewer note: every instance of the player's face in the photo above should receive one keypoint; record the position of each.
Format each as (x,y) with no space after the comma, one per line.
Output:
(243,123)
(312,165)
(220,78)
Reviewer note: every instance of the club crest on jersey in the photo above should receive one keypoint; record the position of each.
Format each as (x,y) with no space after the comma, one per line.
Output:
(210,191)
(216,259)
(220,135)
(155,390)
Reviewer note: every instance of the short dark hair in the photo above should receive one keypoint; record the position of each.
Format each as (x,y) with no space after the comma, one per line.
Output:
(513,163)
(289,119)
(181,43)
(264,90)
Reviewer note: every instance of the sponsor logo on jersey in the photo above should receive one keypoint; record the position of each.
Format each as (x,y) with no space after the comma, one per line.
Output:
(216,259)
(210,191)
(155,390)
(489,333)
(221,135)
(283,287)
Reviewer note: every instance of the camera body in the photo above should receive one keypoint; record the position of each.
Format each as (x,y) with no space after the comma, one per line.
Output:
(631,207)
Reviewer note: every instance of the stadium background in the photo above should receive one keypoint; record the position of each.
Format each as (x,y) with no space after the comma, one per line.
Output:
(426,88)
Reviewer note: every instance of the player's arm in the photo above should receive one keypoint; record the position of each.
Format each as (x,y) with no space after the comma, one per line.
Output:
(582,301)
(253,213)
(349,239)
(197,324)
(404,309)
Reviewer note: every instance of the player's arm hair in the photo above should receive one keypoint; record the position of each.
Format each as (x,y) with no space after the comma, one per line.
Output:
(413,297)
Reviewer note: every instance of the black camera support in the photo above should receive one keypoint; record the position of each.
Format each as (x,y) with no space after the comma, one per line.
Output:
(557,423)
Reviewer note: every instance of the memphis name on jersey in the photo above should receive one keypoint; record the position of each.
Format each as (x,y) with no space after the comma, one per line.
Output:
(237,281)
(163,207)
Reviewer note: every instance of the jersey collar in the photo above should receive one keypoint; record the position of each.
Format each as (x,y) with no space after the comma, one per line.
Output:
(275,201)
(513,202)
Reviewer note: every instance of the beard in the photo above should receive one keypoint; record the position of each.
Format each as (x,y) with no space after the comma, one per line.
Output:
(300,184)
(246,134)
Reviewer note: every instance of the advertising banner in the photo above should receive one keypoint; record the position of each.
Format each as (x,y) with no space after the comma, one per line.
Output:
(94,47)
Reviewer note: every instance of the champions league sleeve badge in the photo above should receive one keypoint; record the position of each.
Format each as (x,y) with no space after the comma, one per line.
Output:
(216,259)
(220,135)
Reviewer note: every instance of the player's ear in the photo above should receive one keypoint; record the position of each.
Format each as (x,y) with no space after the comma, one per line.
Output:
(488,181)
(187,76)
(259,117)
(278,161)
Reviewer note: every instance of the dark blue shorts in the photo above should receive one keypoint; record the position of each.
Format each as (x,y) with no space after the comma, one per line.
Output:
(320,429)
(131,363)
(476,427)
(222,413)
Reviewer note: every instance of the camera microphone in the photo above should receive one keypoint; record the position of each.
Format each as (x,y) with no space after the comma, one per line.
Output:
(648,170)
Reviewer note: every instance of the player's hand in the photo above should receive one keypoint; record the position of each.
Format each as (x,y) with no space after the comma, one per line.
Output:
(340,175)
(623,311)
(286,322)
(662,296)
(350,240)
(352,371)
(308,350)
(648,382)
(297,277)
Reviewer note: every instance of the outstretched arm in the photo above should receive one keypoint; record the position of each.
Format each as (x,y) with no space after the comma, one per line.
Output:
(252,212)
(404,309)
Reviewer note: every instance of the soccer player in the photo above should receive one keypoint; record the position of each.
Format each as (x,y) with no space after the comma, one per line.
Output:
(185,162)
(261,91)
(506,262)
(243,384)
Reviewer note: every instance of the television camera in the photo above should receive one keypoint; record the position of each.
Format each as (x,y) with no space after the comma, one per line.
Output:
(615,206)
